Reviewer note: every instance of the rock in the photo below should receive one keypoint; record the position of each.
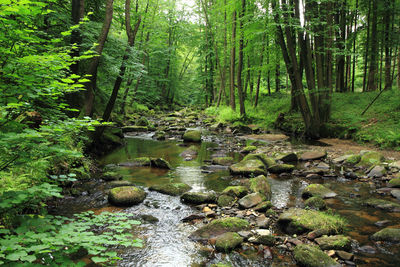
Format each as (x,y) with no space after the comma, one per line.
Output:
(263,206)
(119,183)
(317,233)
(248,168)
(316,203)
(112,137)
(353,159)
(198,197)
(395,193)
(395,164)
(248,149)
(267,240)
(220,265)
(192,136)
(377,172)
(190,153)
(193,217)
(173,189)
(262,221)
(225,201)
(382,223)
(298,221)
(149,218)
(394,183)
(111,176)
(281,168)
(382,204)
(287,157)
(224,161)
(370,158)
(312,155)
(323,165)
(160,163)
(228,241)
(336,242)
(143,161)
(240,128)
(142,121)
(387,234)
(312,256)
(268,162)
(236,191)
(251,200)
(312,176)
(220,226)
(261,185)
(340,159)
(159,135)
(367,249)
(319,190)
(134,128)
(126,196)
(344,255)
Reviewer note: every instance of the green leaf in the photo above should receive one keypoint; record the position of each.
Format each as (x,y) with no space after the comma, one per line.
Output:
(16,255)
(99,259)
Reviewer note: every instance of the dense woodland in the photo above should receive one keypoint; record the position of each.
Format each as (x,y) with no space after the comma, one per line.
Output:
(70,69)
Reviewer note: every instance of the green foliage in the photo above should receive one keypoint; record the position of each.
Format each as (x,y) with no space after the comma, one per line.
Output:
(54,240)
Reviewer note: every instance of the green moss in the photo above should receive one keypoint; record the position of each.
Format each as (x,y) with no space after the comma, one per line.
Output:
(316,203)
(220,226)
(387,234)
(312,256)
(248,168)
(394,183)
(249,149)
(236,191)
(173,189)
(317,190)
(192,136)
(268,162)
(261,185)
(225,200)
(353,159)
(281,168)
(126,195)
(223,161)
(336,242)
(198,197)
(228,241)
(382,204)
(371,158)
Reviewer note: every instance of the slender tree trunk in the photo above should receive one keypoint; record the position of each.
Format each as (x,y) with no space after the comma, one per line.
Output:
(260,70)
(278,76)
(77,12)
(240,63)
(388,45)
(90,86)
(367,47)
(374,48)
(233,59)
(354,48)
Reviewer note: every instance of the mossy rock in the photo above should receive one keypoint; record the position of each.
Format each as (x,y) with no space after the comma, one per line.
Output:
(268,240)
(119,183)
(298,221)
(382,204)
(160,163)
(371,158)
(268,162)
(248,167)
(224,161)
(263,206)
(199,197)
(312,256)
(387,234)
(225,201)
(192,136)
(251,200)
(353,159)
(111,176)
(261,185)
(142,121)
(126,196)
(228,241)
(159,135)
(173,189)
(281,168)
(316,203)
(220,226)
(134,128)
(248,149)
(336,242)
(112,136)
(220,265)
(395,183)
(142,161)
(318,190)
(236,191)
(287,157)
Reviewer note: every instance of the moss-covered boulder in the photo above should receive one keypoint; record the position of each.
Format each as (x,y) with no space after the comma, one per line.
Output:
(261,185)
(263,206)
(173,189)
(316,203)
(220,265)
(268,162)
(159,135)
(126,196)
(142,121)
(199,197)
(394,183)
(142,161)
(251,200)
(318,190)
(336,242)
(111,176)
(298,221)
(248,149)
(287,157)
(353,159)
(248,167)
(112,137)
(371,158)
(192,136)
(383,204)
(134,128)
(236,191)
(160,163)
(312,256)
(225,200)
(228,241)
(220,226)
(312,155)
(387,234)
(224,161)
(281,168)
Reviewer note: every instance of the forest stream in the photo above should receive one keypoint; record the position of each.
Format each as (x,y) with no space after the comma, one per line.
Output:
(166,236)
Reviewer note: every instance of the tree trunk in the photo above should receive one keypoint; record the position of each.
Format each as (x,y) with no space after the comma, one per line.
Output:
(233,57)
(354,48)
(277,76)
(260,71)
(388,44)
(374,48)
(240,63)
(367,47)
(77,12)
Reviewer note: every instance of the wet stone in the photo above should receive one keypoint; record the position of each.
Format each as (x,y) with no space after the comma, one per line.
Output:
(344,255)
(377,172)
(318,190)
(395,193)
(251,200)
(312,155)
(367,249)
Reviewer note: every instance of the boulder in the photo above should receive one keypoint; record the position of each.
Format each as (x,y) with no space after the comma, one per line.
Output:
(225,201)
(312,256)
(319,190)
(395,183)
(281,168)
(370,158)
(298,221)
(248,149)
(316,203)
(199,197)
(387,234)
(353,159)
(268,162)
(192,136)
(383,204)
(312,155)
(111,176)
(251,200)
(143,161)
(224,161)
(236,191)
(119,183)
(377,172)
(160,163)
(336,242)
(248,168)
(395,193)
(263,206)
(159,135)
(220,226)
(395,164)
(126,196)
(287,157)
(173,189)
(142,121)
(264,237)
(228,241)
(261,185)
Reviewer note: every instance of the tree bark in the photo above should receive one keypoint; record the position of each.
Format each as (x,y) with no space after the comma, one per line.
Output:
(233,59)
(240,62)
(374,48)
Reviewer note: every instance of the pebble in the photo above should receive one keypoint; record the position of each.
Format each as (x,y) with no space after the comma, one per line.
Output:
(367,249)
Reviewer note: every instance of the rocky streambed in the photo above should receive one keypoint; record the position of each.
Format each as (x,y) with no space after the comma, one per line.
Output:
(210,194)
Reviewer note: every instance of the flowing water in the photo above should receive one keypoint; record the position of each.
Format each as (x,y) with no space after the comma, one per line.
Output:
(167,242)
